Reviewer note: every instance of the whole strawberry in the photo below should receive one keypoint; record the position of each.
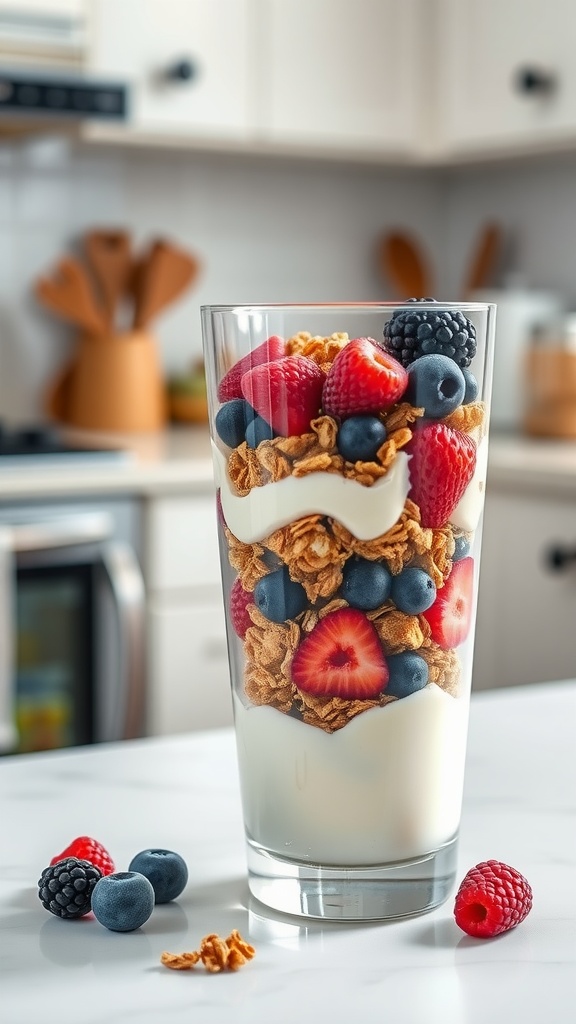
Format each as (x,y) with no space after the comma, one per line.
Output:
(229,386)
(441,467)
(85,848)
(363,379)
(492,898)
(286,393)
(239,601)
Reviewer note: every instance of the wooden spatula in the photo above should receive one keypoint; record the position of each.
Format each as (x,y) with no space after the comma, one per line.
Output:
(68,294)
(109,256)
(160,278)
(485,256)
(404,266)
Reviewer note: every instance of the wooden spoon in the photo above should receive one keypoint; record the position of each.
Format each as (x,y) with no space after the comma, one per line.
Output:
(160,278)
(404,266)
(110,258)
(68,294)
(485,256)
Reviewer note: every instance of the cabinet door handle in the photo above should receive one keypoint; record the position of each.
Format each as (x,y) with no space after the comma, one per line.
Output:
(560,558)
(533,81)
(181,71)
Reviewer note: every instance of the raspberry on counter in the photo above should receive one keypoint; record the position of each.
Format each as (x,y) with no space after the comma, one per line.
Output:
(492,898)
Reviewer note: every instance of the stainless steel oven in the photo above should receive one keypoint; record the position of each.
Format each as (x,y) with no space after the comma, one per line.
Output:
(71,625)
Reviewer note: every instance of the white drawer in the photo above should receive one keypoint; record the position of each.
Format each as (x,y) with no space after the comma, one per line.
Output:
(182,543)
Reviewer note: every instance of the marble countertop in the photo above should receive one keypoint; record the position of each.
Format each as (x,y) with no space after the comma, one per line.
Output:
(182,793)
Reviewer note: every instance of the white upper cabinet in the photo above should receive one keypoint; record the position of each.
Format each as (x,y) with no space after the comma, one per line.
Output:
(507,74)
(186,62)
(341,74)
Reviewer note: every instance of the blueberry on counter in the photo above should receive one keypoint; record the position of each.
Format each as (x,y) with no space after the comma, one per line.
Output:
(278,597)
(413,591)
(231,421)
(408,672)
(123,901)
(164,869)
(365,584)
(360,437)
(436,384)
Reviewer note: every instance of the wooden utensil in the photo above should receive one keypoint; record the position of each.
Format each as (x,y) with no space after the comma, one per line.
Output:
(68,294)
(162,276)
(109,256)
(404,266)
(485,256)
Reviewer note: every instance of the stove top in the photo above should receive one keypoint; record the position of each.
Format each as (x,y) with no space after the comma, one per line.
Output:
(38,443)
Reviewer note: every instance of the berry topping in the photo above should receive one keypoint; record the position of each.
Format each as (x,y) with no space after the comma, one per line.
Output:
(278,597)
(165,870)
(231,421)
(461,547)
(363,379)
(441,467)
(492,898)
(436,384)
(450,616)
(365,584)
(360,437)
(287,394)
(66,888)
(258,430)
(123,901)
(408,673)
(413,591)
(229,387)
(471,392)
(413,333)
(239,601)
(341,657)
(85,848)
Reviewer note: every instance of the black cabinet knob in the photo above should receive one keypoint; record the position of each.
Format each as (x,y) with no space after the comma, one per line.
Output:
(559,558)
(532,81)
(183,70)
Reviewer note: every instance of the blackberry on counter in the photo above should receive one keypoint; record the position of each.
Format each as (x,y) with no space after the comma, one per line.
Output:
(414,333)
(65,888)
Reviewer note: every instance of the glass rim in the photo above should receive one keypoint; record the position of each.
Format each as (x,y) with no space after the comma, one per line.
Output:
(352,307)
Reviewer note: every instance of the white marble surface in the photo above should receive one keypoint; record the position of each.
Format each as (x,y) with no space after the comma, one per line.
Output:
(182,793)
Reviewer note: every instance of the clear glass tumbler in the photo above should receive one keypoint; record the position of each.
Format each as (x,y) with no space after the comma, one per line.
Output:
(350,450)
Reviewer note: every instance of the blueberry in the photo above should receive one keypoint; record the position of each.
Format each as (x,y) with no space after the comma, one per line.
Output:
(471,384)
(360,437)
(166,871)
(408,672)
(258,430)
(413,591)
(278,597)
(365,584)
(436,384)
(123,901)
(231,421)
(461,548)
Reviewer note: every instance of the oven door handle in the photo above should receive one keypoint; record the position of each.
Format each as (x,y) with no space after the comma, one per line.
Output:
(127,587)
(8,734)
(60,531)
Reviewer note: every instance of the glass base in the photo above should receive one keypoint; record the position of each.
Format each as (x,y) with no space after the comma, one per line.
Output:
(378,892)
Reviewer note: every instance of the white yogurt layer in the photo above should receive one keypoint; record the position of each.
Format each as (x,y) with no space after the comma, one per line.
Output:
(467,513)
(388,786)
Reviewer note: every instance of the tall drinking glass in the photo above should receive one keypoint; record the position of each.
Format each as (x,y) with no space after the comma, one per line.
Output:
(350,448)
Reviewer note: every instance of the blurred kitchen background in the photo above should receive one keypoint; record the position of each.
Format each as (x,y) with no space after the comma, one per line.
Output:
(281,147)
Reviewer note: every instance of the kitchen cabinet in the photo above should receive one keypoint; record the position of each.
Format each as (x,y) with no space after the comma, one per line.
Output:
(188,686)
(340,73)
(526,610)
(507,76)
(186,62)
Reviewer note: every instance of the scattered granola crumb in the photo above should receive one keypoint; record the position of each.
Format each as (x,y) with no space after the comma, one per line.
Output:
(216,954)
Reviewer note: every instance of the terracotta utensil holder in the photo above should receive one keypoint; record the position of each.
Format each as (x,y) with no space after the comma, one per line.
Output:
(114,383)
(550,393)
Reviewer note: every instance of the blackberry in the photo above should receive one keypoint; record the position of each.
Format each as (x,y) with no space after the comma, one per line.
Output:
(65,888)
(414,333)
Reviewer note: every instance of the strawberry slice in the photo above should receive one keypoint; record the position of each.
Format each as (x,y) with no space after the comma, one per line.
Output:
(363,379)
(286,393)
(229,386)
(341,657)
(441,467)
(450,616)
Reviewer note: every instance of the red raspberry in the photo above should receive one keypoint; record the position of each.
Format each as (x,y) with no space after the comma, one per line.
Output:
(363,379)
(85,848)
(239,601)
(286,393)
(492,898)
